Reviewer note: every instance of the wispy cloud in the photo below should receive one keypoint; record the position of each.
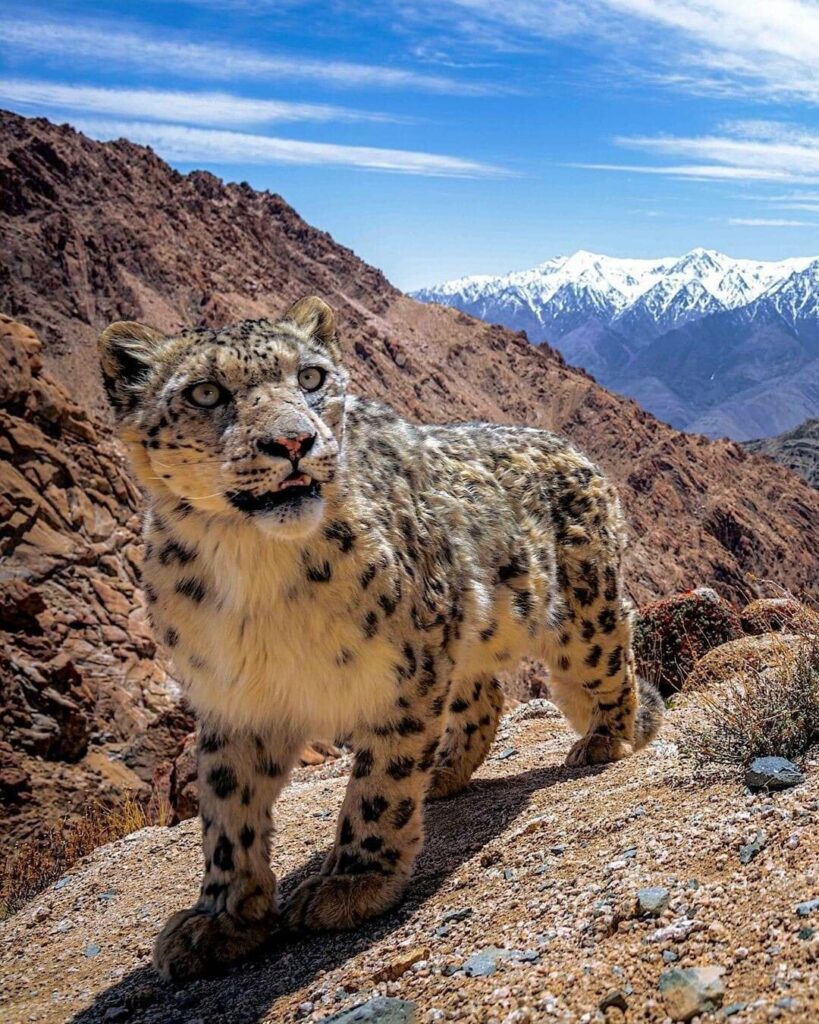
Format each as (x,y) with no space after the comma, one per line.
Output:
(184,144)
(702,172)
(744,151)
(765,49)
(771,222)
(211,108)
(73,43)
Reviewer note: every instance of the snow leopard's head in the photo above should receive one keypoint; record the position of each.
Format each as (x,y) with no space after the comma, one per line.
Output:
(246,420)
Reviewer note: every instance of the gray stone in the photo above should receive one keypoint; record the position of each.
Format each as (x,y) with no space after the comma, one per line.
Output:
(485,961)
(729,1011)
(752,849)
(460,914)
(653,900)
(769,773)
(381,1010)
(687,992)
(807,908)
(616,998)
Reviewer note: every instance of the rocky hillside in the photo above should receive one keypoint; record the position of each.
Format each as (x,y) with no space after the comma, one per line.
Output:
(98,231)
(642,891)
(798,449)
(85,710)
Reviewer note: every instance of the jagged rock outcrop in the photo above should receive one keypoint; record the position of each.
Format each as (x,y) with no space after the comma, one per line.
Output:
(85,710)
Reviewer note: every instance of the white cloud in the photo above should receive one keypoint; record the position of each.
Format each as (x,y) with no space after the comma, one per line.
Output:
(771,222)
(765,48)
(211,108)
(75,43)
(199,145)
(702,172)
(745,151)
(803,207)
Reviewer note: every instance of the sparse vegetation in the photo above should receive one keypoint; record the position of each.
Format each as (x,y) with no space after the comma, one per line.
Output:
(43,860)
(760,713)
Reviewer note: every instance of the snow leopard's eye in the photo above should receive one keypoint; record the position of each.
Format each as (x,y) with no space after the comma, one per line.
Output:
(311,378)
(206,394)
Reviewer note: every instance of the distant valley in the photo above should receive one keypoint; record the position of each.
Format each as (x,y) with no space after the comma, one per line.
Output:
(713,345)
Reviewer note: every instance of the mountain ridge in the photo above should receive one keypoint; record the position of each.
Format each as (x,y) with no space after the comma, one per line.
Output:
(618,317)
(798,449)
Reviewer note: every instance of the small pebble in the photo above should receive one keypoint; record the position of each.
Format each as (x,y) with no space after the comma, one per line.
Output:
(485,961)
(616,998)
(381,1010)
(653,900)
(751,850)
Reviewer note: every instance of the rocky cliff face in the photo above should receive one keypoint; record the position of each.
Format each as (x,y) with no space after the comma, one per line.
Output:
(85,711)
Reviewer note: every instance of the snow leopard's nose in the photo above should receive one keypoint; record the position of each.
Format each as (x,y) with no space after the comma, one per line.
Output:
(288,446)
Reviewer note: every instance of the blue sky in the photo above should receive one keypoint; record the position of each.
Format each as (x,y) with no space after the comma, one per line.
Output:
(460,136)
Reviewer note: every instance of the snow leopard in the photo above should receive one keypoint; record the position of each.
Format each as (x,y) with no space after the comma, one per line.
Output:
(318,566)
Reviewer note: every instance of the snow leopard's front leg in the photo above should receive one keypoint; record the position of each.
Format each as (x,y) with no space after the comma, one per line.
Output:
(240,775)
(380,830)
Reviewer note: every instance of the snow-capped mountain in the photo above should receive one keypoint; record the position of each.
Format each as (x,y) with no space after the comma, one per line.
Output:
(665,292)
(622,319)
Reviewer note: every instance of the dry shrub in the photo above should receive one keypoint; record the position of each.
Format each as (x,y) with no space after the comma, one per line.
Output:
(39,862)
(760,713)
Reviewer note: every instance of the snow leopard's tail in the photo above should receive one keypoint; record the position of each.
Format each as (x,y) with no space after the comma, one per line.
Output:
(649,713)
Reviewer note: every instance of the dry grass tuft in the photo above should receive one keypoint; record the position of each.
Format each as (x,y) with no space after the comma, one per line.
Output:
(41,861)
(759,713)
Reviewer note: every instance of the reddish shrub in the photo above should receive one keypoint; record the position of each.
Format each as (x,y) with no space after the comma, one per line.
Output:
(671,635)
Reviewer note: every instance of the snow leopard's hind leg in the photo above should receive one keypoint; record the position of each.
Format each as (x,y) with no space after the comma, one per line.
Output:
(592,674)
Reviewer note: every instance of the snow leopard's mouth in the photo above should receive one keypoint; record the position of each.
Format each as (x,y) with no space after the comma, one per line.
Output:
(295,489)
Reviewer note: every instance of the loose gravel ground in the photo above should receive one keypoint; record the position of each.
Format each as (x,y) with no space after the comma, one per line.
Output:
(525,906)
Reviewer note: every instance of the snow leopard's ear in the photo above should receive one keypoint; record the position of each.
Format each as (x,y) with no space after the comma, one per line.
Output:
(313,315)
(128,352)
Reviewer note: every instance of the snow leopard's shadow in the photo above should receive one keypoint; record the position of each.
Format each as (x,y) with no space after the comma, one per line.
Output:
(458,829)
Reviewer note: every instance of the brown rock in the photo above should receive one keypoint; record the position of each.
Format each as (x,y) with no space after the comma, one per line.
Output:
(778,614)
(400,964)
(731,662)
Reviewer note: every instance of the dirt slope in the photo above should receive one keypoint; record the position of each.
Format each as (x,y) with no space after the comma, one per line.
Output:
(96,231)
(549,866)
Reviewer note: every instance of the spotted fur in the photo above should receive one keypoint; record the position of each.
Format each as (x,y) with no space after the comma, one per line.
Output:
(318,566)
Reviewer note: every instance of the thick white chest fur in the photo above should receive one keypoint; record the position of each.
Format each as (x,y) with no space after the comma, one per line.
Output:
(265,648)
